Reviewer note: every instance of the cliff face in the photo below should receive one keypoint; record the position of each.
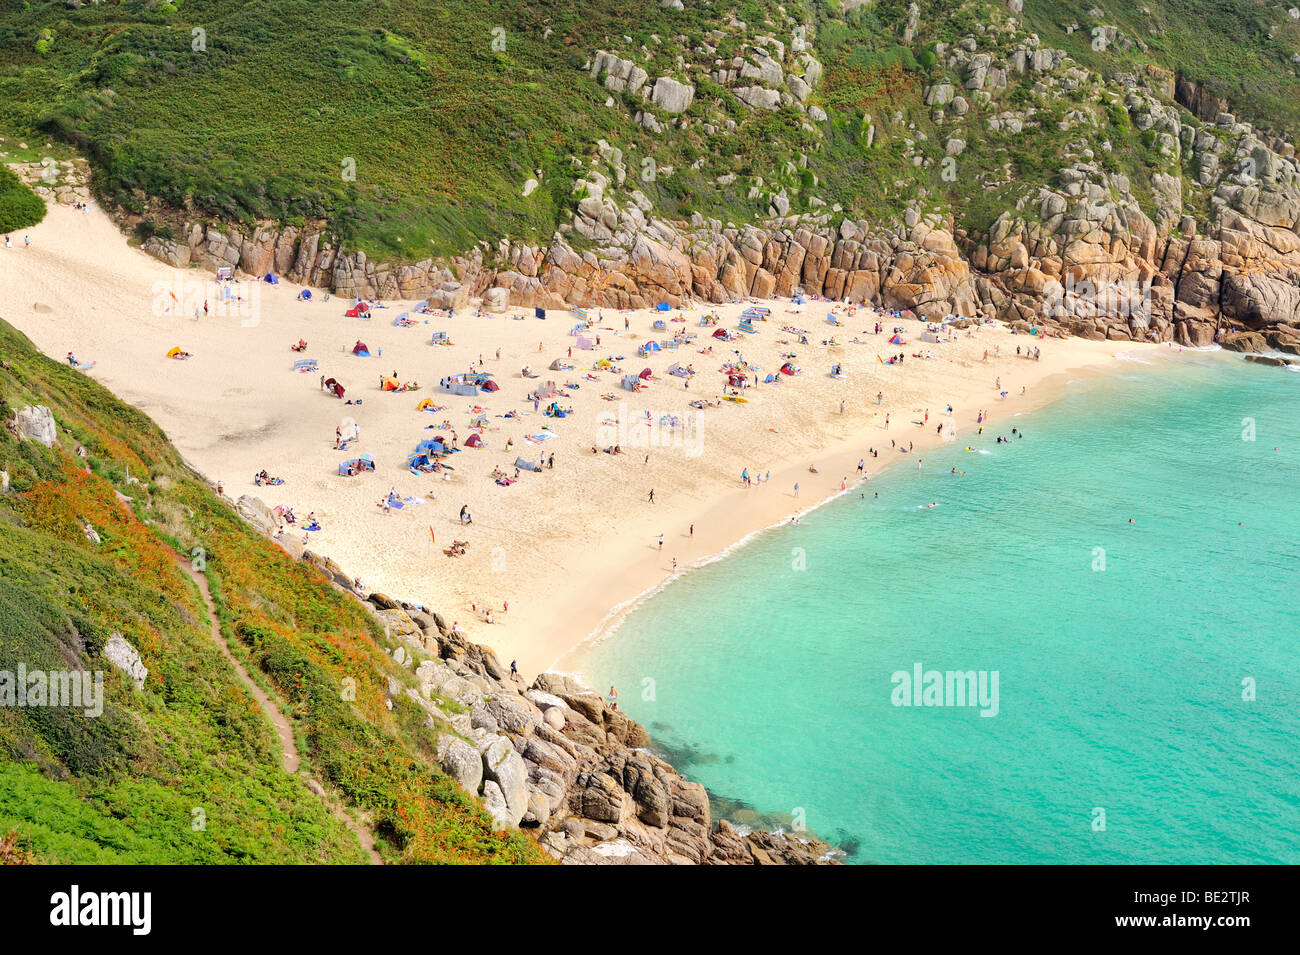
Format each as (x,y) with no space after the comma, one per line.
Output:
(1077,259)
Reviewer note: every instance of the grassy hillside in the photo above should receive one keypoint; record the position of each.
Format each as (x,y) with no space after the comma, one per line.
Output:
(444,108)
(189,769)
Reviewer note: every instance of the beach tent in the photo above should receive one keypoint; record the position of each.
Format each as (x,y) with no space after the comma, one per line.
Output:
(270,279)
(897,340)
(798,299)
(789,369)
(307,364)
(578,329)
(539,313)
(434,445)
(490,385)
(334,387)
(304,295)
(175,350)
(930,337)
(392,384)
(676,369)
(580,314)
(663,307)
(439,338)
(363,463)
(426,405)
(418,462)
(660,327)
(585,343)
(560,365)
(649,347)
(360,350)
(723,334)
(523,465)
(756,314)
(831,317)
(474,441)
(748,326)
(631,382)
(479,420)
(646,374)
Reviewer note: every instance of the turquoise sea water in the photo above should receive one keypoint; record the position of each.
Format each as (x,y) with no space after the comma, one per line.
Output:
(1119,689)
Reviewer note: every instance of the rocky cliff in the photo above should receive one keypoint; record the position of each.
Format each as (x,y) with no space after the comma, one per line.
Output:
(553,758)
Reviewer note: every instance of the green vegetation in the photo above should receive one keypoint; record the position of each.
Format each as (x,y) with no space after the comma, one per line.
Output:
(409,127)
(188,769)
(19,206)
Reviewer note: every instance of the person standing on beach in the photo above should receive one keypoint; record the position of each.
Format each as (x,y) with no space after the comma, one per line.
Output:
(796,488)
(514,670)
(841,406)
(691,532)
(661,543)
(861,464)
(886,421)
(652,495)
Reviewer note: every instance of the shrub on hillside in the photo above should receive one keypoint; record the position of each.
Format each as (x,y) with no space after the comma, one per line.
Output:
(19,206)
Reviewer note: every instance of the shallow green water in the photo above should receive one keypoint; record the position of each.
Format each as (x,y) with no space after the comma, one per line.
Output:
(1120,681)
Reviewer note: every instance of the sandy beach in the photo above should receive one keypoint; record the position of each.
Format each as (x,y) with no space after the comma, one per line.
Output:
(563,546)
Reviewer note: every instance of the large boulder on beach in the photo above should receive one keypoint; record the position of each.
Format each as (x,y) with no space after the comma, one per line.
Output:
(255,511)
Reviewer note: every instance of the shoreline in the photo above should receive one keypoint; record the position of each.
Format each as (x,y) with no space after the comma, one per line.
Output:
(573,548)
(843,457)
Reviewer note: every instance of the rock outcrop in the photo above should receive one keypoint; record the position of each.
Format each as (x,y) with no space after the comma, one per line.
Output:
(556,760)
(37,424)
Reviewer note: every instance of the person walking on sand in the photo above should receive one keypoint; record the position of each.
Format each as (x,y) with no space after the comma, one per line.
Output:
(691,532)
(652,495)
(514,670)
(861,464)
(886,421)
(661,543)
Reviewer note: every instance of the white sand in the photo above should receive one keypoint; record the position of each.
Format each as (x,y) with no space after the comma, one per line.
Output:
(564,546)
